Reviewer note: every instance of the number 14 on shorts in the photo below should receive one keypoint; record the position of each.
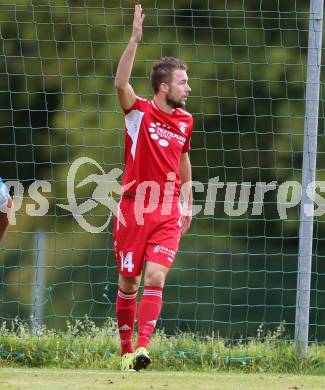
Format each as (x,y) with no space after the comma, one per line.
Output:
(127,261)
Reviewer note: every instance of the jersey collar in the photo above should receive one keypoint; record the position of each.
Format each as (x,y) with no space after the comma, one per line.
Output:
(159,109)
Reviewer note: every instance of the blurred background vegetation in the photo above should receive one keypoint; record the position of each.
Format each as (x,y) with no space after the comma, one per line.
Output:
(247,67)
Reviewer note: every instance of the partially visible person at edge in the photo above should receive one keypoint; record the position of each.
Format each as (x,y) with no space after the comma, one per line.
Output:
(157,142)
(5,208)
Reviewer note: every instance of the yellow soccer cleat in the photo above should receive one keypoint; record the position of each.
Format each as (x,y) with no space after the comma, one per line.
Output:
(142,359)
(128,362)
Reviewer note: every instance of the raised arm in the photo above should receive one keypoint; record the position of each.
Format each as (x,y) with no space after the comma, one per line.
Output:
(124,90)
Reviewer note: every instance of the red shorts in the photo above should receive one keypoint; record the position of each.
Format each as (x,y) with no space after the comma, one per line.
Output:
(146,237)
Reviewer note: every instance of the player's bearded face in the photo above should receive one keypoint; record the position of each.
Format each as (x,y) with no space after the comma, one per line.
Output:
(178,90)
(173,101)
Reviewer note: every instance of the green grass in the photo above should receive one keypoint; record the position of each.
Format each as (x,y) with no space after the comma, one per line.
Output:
(91,379)
(84,345)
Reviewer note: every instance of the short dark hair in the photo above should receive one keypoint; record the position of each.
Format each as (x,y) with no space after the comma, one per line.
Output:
(163,69)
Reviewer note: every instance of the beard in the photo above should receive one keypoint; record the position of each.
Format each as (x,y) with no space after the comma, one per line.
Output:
(174,103)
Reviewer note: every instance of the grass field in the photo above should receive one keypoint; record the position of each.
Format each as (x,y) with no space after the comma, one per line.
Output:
(13,378)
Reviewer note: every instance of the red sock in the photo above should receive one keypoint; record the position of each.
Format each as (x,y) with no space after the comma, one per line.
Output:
(148,313)
(126,306)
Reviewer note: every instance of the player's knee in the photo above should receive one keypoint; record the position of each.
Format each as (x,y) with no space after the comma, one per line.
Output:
(128,285)
(155,278)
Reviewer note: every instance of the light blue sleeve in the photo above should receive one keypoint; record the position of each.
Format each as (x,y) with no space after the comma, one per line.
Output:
(4,194)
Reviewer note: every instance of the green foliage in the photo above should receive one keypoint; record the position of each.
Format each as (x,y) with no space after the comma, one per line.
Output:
(84,345)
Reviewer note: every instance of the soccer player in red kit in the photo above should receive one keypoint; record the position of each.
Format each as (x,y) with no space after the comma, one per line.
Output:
(149,221)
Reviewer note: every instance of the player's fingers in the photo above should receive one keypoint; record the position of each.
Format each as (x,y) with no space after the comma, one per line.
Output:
(138,18)
(185,225)
(185,229)
(188,224)
(182,223)
(138,9)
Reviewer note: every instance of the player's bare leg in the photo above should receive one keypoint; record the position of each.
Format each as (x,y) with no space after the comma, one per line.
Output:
(129,285)
(149,310)
(155,274)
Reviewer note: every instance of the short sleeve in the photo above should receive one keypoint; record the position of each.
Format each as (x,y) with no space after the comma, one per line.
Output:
(139,104)
(4,194)
(186,147)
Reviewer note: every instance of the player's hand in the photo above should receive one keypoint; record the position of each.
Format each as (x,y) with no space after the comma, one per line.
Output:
(137,23)
(186,219)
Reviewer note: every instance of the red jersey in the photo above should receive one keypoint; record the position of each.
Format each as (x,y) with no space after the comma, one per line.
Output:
(154,142)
